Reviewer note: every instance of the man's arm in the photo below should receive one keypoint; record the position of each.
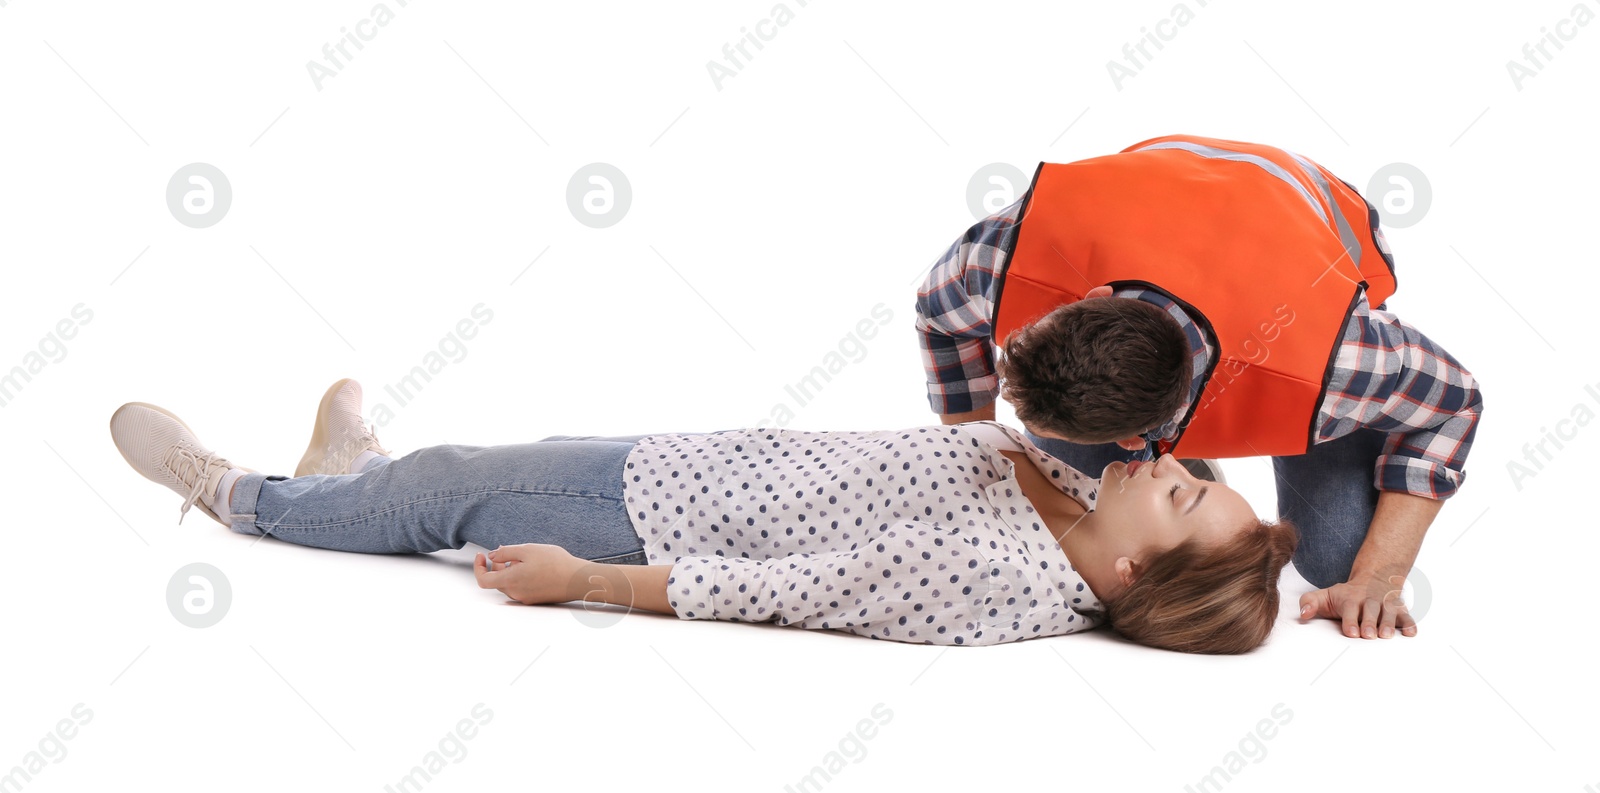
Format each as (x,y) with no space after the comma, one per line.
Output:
(954,313)
(1386,556)
(1390,377)
(1369,604)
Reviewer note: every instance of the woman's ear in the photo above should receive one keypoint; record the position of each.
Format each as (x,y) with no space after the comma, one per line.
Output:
(1127,571)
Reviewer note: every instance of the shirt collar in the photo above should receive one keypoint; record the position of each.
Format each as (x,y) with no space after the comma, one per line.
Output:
(1014,508)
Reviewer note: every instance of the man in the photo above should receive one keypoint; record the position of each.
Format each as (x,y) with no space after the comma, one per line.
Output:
(1214,298)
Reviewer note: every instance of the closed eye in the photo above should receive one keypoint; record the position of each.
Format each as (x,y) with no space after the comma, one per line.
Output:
(1172,495)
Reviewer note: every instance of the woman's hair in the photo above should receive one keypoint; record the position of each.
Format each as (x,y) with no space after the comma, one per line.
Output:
(1097,371)
(1194,599)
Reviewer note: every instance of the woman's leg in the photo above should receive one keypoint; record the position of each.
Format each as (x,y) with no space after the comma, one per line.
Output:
(566,493)
(628,439)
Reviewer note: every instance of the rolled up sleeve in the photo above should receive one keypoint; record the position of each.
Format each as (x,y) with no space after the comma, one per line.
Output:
(954,312)
(1389,377)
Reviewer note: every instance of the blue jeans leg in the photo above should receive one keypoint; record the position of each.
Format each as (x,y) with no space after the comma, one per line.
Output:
(567,493)
(1328,494)
(628,439)
(1088,459)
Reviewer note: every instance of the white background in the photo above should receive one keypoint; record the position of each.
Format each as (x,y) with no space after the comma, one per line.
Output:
(769,216)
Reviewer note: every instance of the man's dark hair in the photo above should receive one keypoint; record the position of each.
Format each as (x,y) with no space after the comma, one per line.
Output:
(1097,370)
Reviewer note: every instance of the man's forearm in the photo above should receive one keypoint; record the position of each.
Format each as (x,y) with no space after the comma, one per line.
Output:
(981,414)
(1398,526)
(632,585)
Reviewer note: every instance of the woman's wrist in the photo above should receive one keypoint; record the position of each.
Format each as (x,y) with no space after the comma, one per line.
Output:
(631,585)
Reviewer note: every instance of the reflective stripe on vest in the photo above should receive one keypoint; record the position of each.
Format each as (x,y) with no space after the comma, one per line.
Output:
(1265,164)
(1379,281)
(1347,237)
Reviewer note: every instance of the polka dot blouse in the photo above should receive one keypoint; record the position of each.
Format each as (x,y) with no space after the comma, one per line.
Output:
(916,535)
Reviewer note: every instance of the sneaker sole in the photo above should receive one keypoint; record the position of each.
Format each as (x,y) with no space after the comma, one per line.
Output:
(169,414)
(319,438)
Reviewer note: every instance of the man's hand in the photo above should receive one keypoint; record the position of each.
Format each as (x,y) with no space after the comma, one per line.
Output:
(532,573)
(1369,603)
(1369,606)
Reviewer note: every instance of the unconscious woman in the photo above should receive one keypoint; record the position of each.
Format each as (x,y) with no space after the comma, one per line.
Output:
(952,535)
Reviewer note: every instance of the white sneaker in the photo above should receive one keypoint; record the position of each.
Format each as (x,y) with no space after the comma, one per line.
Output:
(339,435)
(164,450)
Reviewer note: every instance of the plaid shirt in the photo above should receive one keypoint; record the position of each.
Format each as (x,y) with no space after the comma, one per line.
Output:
(1386,376)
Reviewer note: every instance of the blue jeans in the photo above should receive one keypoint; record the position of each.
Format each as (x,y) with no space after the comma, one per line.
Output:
(1327,493)
(564,490)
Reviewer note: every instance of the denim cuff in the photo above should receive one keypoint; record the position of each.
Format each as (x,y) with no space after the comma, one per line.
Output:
(242,506)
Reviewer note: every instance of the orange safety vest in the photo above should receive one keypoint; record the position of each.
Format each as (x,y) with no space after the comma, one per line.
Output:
(1266,250)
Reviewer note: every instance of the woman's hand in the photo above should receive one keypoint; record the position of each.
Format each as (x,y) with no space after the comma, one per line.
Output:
(531,574)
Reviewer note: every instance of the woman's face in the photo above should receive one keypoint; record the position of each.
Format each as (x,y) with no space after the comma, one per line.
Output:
(1155,505)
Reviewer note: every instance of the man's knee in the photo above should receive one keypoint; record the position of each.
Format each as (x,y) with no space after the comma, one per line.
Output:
(1320,574)
(1322,560)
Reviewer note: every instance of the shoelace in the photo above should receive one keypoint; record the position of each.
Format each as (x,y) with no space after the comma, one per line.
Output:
(193,465)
